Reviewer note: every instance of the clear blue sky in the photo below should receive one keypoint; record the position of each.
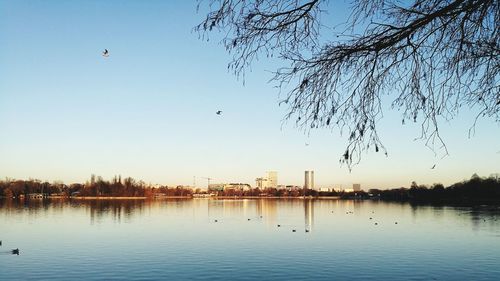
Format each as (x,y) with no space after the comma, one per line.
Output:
(148,111)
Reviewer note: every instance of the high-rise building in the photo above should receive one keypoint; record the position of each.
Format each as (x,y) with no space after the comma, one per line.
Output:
(309,180)
(272,179)
(269,181)
(356,187)
(261,183)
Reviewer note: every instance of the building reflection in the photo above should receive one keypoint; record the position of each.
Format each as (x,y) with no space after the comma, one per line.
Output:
(309,214)
(267,209)
(239,209)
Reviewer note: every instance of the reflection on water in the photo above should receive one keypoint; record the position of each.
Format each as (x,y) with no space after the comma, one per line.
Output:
(309,214)
(266,210)
(239,239)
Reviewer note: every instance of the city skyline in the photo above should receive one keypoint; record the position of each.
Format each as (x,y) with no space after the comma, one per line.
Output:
(148,110)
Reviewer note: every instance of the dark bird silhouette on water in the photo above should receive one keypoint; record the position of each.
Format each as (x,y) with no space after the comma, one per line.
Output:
(307,230)
(105,53)
(279,225)
(218,112)
(15,251)
(293,230)
(0,242)
(434,166)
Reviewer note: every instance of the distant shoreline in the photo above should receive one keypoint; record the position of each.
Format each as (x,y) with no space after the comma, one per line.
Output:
(177,197)
(442,202)
(208,197)
(108,197)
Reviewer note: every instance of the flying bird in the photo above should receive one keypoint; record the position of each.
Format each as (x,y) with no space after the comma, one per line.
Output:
(434,166)
(105,53)
(218,112)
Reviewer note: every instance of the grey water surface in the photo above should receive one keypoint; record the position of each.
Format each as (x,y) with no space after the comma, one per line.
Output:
(181,240)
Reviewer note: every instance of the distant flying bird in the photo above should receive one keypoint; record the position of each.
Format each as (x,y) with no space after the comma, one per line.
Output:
(105,53)
(433,166)
(218,112)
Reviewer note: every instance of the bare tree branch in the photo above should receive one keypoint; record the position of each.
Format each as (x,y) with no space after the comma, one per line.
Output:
(431,57)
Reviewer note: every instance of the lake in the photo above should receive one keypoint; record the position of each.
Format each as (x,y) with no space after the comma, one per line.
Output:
(207,239)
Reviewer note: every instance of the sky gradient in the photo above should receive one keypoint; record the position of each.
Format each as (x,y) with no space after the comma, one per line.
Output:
(148,110)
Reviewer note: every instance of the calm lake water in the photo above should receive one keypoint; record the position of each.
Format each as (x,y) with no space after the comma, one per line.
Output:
(180,240)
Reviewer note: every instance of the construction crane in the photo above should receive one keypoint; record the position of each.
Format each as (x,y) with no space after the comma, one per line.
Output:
(208,180)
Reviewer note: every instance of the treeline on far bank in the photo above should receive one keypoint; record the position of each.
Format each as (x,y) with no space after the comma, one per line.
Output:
(129,187)
(97,186)
(474,190)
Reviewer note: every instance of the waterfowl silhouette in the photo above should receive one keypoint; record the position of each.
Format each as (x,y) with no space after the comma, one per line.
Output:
(15,251)
(218,112)
(293,230)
